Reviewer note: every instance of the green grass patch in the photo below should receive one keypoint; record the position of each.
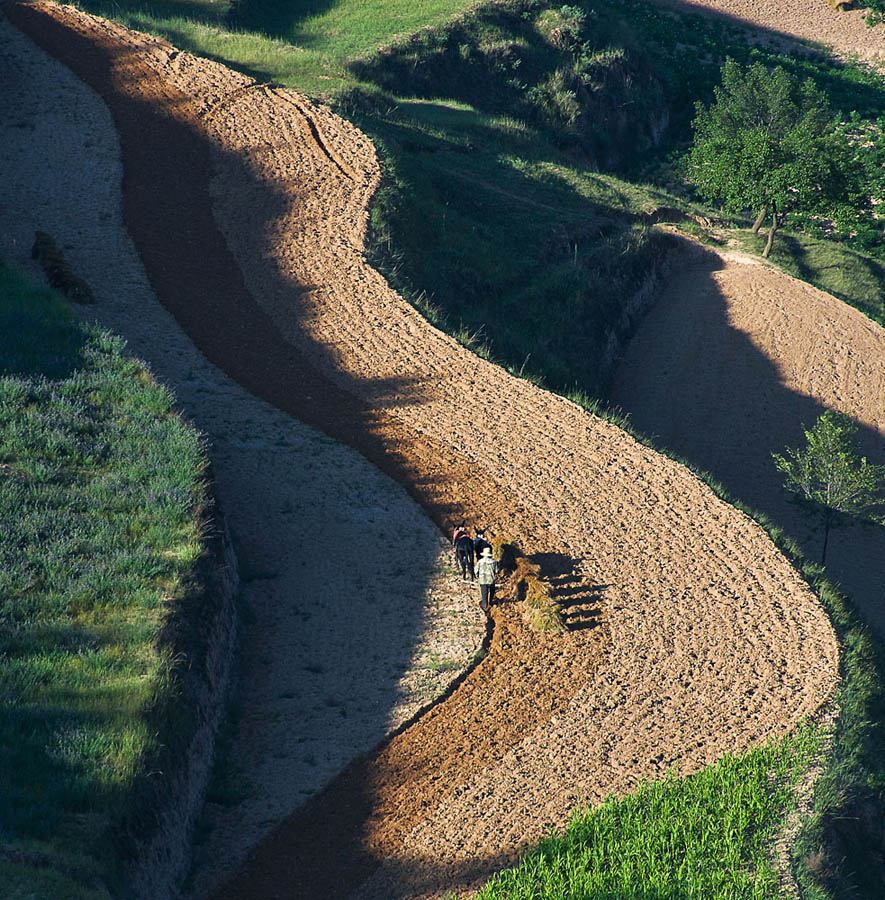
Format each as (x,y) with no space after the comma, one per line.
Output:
(101,497)
(704,837)
(308,45)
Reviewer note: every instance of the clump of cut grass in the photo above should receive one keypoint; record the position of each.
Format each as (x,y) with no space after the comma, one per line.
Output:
(505,552)
(539,609)
(102,502)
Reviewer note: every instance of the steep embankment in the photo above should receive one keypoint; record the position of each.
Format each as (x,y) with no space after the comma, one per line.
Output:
(711,642)
(731,362)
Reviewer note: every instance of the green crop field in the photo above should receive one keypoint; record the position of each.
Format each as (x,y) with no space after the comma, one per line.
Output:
(709,835)
(101,497)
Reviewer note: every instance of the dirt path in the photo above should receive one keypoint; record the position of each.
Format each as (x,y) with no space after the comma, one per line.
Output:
(809,20)
(710,642)
(727,367)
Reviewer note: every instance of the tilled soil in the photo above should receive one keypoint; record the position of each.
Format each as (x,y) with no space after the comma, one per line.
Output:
(728,366)
(809,20)
(332,553)
(690,635)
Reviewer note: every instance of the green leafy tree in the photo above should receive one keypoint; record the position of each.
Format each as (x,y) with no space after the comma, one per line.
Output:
(769,143)
(830,476)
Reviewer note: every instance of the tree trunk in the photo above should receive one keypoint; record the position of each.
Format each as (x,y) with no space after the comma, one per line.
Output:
(760,219)
(823,556)
(771,231)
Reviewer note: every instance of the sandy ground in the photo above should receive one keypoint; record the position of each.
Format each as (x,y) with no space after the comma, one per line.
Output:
(809,20)
(690,635)
(312,520)
(731,362)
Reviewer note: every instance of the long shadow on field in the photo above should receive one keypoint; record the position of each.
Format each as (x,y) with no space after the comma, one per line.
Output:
(311,613)
(705,391)
(338,838)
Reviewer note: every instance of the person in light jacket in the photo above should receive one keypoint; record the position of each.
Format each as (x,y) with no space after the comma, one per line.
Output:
(486,569)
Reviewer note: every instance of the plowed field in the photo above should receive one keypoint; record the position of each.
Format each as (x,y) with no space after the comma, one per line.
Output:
(730,364)
(776,21)
(689,635)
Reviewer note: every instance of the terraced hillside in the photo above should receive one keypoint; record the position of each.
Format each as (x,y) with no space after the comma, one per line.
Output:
(689,635)
(730,364)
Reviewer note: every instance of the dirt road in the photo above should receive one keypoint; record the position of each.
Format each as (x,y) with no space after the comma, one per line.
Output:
(690,635)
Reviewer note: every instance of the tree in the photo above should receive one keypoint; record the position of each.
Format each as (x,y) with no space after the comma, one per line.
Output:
(769,143)
(830,476)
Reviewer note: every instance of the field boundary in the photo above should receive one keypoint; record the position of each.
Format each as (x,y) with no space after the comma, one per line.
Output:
(200,635)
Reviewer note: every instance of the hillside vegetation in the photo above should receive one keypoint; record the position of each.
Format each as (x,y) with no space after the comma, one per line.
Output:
(525,144)
(102,508)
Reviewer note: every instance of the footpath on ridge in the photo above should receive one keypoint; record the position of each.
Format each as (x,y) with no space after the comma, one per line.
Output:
(689,634)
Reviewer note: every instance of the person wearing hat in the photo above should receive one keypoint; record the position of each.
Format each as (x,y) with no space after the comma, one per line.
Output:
(486,569)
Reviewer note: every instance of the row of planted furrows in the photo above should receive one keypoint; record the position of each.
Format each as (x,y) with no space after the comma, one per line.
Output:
(779,23)
(711,642)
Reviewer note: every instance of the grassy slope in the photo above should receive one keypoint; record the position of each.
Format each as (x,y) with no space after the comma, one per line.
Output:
(100,497)
(490,261)
(492,221)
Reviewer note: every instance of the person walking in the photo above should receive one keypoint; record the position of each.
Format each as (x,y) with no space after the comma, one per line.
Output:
(486,570)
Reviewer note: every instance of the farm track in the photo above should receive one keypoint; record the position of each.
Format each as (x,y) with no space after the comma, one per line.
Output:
(690,635)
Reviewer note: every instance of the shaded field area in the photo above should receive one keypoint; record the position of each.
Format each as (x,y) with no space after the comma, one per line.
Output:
(647,555)
(729,365)
(332,554)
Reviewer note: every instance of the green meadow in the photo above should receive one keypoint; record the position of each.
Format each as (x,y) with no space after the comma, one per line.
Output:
(101,508)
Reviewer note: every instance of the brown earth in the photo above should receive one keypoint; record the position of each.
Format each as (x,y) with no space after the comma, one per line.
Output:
(728,366)
(306,512)
(690,635)
(776,21)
